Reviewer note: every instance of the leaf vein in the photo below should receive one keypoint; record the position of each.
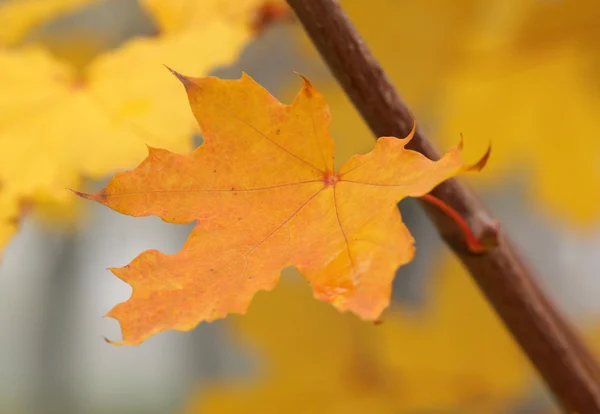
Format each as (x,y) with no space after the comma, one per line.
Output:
(337,215)
(272,141)
(373,184)
(244,190)
(268,236)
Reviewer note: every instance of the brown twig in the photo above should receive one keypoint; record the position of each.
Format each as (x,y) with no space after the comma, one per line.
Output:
(544,335)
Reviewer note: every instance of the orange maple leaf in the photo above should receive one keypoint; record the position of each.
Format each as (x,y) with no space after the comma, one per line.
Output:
(264,194)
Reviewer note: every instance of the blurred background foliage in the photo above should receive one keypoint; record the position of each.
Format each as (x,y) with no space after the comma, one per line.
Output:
(84,89)
(520,74)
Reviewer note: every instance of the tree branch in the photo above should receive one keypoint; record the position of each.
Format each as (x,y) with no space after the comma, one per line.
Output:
(545,336)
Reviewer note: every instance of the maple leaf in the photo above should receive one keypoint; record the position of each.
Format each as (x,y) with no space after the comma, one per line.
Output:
(455,355)
(57,125)
(18,17)
(264,193)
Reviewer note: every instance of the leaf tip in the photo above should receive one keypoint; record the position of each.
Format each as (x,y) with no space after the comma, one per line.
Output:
(82,195)
(412,132)
(118,272)
(99,196)
(304,79)
(151,150)
(307,87)
(394,140)
(247,78)
(113,343)
(479,165)
(185,80)
(113,314)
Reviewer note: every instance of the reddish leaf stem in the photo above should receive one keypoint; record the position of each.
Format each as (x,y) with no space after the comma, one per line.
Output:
(473,243)
(543,333)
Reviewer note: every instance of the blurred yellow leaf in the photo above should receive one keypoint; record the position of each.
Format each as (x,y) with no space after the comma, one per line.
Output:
(455,355)
(542,119)
(57,125)
(78,49)
(565,21)
(536,96)
(18,17)
(177,15)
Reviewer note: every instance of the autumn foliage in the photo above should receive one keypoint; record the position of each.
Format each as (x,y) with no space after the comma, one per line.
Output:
(263,191)
(268,190)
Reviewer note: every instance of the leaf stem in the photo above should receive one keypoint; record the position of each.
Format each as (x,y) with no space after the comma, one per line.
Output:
(545,336)
(473,243)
